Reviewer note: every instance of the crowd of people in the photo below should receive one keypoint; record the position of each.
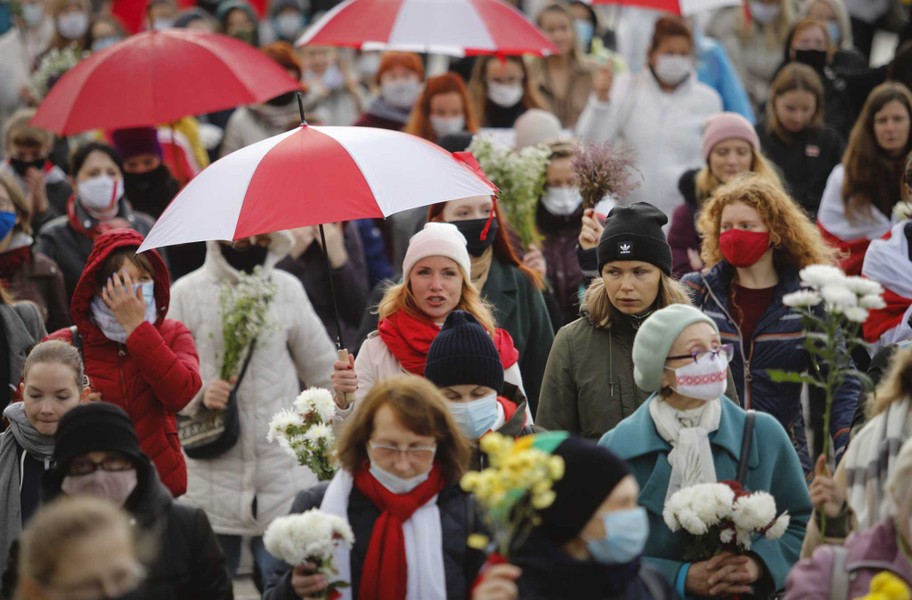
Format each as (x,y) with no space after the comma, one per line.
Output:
(641,341)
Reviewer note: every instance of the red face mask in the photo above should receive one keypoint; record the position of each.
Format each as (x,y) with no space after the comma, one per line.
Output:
(743,248)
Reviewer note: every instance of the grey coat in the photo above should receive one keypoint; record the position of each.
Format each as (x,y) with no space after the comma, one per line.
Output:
(24,327)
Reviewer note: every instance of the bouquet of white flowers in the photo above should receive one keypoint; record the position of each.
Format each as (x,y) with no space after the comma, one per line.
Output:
(310,537)
(832,333)
(520,177)
(305,431)
(244,306)
(722,517)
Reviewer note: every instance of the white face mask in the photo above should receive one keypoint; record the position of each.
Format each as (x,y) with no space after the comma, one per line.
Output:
(476,417)
(561,201)
(672,69)
(368,64)
(162,24)
(73,25)
(396,484)
(764,13)
(445,125)
(401,94)
(505,94)
(289,24)
(115,487)
(100,194)
(32,14)
(705,379)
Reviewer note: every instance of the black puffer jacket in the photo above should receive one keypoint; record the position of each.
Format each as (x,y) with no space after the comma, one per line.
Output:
(460,563)
(188,561)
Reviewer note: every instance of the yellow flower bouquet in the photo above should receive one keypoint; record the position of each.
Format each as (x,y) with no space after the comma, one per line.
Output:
(514,488)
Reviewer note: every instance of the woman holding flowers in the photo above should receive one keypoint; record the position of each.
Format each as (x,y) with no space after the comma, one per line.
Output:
(755,240)
(401,456)
(688,432)
(884,547)
(134,356)
(246,487)
(590,540)
(437,280)
(588,385)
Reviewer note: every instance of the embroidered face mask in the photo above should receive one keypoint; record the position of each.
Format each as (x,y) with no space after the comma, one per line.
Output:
(704,379)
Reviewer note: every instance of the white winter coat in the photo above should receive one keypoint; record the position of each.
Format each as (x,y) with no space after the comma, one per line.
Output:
(297,348)
(663,129)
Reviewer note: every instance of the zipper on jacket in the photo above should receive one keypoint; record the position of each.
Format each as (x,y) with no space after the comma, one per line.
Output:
(123,380)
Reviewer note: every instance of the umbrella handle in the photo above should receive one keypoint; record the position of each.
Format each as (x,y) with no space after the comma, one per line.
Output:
(342,355)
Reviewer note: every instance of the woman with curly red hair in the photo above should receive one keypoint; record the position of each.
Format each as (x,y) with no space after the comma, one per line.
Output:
(755,241)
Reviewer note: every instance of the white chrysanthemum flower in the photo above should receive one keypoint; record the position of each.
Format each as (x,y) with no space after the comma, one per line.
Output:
(325,407)
(779,527)
(712,502)
(281,422)
(319,433)
(818,276)
(309,536)
(754,512)
(743,539)
(856,314)
(802,298)
(863,287)
(872,302)
(727,535)
(838,297)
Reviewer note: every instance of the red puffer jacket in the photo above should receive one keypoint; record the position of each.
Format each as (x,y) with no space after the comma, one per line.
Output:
(153,376)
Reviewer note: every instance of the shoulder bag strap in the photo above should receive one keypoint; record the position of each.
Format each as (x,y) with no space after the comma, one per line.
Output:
(746,439)
(76,341)
(246,363)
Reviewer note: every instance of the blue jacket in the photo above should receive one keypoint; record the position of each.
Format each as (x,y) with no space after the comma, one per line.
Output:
(715,69)
(772,467)
(777,343)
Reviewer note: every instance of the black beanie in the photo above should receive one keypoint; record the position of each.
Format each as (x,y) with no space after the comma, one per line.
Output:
(463,353)
(591,472)
(635,233)
(94,427)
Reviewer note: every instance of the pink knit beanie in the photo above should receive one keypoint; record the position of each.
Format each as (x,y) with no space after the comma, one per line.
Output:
(727,126)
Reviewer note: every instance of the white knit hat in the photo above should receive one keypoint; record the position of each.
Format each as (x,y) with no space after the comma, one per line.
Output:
(437,239)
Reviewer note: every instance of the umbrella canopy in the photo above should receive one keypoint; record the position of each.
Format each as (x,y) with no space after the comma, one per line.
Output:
(160,76)
(453,27)
(309,176)
(678,7)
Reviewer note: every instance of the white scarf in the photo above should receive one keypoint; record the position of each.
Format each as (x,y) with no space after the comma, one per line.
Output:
(688,432)
(108,323)
(423,543)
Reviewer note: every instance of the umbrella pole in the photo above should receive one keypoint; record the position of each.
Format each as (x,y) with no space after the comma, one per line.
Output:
(341,352)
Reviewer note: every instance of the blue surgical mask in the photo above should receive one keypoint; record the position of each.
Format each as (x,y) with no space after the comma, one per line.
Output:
(148,291)
(394,483)
(105,42)
(7,222)
(476,417)
(585,32)
(625,537)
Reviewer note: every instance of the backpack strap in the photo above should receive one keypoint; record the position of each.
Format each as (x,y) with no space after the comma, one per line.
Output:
(747,438)
(839,575)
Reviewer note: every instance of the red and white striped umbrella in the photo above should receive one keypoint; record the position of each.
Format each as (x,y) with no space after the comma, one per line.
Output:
(678,7)
(453,27)
(309,176)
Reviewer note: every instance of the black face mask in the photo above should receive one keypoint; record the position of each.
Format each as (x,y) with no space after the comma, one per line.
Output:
(282,100)
(143,183)
(815,59)
(245,259)
(471,231)
(21,167)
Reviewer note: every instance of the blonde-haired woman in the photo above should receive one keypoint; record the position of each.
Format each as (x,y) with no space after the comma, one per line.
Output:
(755,240)
(436,274)
(730,147)
(754,43)
(870,458)
(588,386)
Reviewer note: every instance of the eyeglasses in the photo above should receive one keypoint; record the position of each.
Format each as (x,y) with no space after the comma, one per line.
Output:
(110,464)
(415,454)
(727,349)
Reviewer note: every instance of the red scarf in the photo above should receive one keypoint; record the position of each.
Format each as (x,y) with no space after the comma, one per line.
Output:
(98,227)
(385,572)
(882,320)
(409,339)
(11,261)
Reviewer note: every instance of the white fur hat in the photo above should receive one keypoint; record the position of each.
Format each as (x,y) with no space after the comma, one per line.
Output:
(437,239)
